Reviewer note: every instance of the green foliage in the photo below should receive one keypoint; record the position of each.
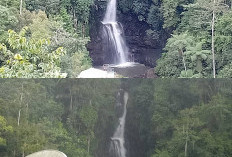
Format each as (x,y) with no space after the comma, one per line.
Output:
(41,26)
(165,118)
(49,6)
(184,117)
(171,18)
(77,57)
(140,8)
(198,56)
(66,19)
(172,10)
(7,21)
(10,3)
(185,57)
(187,74)
(223,41)
(155,17)
(126,5)
(4,130)
(168,65)
(175,47)
(38,51)
(80,61)
(196,17)
(226,72)
(159,153)
(30,58)
(82,8)
(46,121)
(223,32)
(29,139)
(147,11)
(180,44)
(88,116)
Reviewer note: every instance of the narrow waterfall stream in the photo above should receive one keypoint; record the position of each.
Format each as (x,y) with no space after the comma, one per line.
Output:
(113,30)
(117,59)
(117,145)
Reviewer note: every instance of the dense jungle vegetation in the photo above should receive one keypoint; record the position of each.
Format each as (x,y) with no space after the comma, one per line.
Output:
(48,38)
(166,118)
(184,118)
(200,35)
(73,116)
(43,38)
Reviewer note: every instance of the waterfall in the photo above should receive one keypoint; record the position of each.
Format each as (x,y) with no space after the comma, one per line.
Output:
(114,33)
(117,145)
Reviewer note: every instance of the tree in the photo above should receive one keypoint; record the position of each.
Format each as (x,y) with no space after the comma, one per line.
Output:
(176,46)
(186,128)
(41,26)
(30,58)
(39,115)
(172,10)
(226,72)
(205,13)
(4,130)
(10,4)
(198,55)
(66,18)
(77,57)
(88,116)
(180,43)
(7,21)
(21,7)
(223,45)
(81,12)
(155,17)
(51,7)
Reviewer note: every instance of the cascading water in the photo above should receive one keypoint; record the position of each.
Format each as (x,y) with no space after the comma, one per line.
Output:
(113,32)
(116,53)
(117,145)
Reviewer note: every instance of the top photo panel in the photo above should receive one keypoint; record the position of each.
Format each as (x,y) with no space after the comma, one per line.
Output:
(115,39)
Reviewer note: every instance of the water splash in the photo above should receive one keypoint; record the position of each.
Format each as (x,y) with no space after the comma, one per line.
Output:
(117,145)
(114,33)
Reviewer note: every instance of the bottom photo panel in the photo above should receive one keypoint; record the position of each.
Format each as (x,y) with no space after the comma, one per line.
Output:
(115,118)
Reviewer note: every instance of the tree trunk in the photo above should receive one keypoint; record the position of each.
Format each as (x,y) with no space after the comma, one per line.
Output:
(56,37)
(19,115)
(88,144)
(186,144)
(21,7)
(75,19)
(71,101)
(186,148)
(27,112)
(83,30)
(213,50)
(21,100)
(185,68)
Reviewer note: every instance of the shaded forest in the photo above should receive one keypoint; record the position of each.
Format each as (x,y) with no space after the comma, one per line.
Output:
(73,116)
(169,118)
(166,118)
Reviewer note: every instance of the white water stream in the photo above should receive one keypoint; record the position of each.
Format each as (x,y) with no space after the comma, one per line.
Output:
(117,145)
(114,32)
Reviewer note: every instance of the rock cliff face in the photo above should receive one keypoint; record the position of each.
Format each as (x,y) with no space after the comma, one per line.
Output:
(145,49)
